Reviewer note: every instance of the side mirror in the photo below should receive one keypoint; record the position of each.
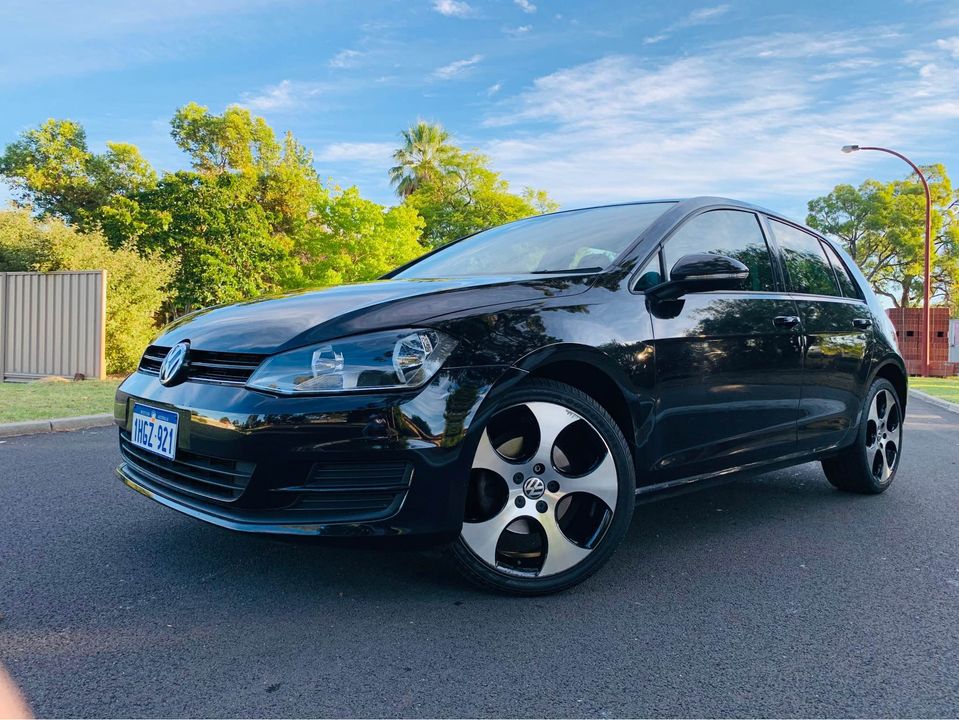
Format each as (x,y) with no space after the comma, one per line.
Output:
(701,272)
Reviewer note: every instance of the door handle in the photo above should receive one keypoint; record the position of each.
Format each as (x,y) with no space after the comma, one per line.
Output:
(862,323)
(786,321)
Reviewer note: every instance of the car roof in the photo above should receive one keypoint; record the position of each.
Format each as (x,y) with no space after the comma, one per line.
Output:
(694,203)
(689,204)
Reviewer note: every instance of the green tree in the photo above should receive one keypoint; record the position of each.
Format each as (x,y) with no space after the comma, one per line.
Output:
(233,221)
(121,171)
(213,229)
(540,200)
(26,243)
(136,284)
(234,141)
(250,216)
(426,156)
(881,226)
(290,189)
(356,239)
(51,169)
(469,197)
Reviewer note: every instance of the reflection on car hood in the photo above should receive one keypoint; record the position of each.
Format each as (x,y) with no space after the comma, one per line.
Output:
(279,323)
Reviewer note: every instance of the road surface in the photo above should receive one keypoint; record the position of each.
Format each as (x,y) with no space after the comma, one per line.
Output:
(774,596)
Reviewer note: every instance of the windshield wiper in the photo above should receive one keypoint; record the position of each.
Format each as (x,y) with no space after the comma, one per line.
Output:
(566,270)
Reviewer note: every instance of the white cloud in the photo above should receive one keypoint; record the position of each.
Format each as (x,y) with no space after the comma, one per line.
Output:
(378,153)
(846,69)
(285,95)
(345,59)
(518,31)
(950,45)
(457,68)
(814,47)
(453,8)
(697,17)
(526,6)
(622,127)
(493,89)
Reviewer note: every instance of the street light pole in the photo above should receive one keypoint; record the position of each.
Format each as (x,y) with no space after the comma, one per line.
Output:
(926,320)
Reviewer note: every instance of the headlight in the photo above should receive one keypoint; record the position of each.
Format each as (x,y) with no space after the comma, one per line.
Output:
(390,360)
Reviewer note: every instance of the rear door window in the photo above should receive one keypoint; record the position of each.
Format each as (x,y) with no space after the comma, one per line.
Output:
(808,270)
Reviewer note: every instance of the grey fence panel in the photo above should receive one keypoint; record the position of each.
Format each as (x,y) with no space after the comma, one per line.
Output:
(52,324)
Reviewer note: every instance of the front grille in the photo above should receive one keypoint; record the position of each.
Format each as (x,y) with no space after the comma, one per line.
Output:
(355,491)
(206,366)
(199,475)
(152,359)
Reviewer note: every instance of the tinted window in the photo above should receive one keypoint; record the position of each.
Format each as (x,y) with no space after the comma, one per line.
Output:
(846,283)
(573,240)
(650,275)
(732,233)
(807,268)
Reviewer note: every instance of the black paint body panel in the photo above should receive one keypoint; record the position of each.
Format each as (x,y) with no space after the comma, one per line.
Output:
(710,385)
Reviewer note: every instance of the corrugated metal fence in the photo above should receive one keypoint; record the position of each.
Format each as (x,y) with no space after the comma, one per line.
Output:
(52,324)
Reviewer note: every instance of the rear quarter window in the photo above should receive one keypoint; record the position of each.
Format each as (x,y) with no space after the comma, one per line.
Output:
(846,282)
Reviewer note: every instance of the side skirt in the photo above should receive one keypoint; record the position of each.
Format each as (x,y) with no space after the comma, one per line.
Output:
(681,486)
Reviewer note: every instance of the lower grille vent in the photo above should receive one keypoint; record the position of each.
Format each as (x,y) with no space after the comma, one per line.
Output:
(355,490)
(193,474)
(357,476)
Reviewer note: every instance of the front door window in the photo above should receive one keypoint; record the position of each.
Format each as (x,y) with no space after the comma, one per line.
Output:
(733,233)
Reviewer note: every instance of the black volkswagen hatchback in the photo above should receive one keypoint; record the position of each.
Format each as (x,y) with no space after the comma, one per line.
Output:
(516,392)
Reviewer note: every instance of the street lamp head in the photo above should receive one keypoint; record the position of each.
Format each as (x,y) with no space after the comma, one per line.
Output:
(849,148)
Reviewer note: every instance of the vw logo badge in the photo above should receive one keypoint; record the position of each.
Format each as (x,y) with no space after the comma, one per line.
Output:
(534,488)
(174,362)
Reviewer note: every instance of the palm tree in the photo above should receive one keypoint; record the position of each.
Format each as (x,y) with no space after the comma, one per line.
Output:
(426,154)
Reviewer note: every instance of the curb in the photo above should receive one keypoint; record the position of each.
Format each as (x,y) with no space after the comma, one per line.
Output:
(35,427)
(938,402)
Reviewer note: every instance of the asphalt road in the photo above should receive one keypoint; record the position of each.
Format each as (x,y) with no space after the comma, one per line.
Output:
(774,596)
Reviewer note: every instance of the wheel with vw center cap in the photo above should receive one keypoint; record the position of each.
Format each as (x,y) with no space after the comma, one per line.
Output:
(551,492)
(869,465)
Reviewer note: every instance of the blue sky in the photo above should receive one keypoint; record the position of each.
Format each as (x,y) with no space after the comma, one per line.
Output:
(593,101)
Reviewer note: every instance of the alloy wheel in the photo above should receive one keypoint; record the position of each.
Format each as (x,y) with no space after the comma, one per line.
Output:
(543,490)
(883,435)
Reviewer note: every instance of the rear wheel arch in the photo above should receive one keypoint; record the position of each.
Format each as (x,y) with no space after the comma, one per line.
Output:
(890,371)
(869,465)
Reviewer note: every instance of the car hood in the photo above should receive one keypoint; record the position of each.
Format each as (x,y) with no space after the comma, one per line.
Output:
(274,324)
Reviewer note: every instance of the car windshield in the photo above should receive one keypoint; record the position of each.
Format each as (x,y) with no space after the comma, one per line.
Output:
(576,240)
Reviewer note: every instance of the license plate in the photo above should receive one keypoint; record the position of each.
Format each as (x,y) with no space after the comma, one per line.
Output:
(154,430)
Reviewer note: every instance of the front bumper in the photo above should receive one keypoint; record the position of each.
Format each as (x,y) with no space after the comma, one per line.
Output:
(352,465)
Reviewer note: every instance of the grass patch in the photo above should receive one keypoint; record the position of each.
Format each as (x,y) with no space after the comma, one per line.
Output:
(43,400)
(944,388)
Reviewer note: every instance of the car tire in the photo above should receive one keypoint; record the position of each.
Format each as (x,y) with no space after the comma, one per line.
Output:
(869,465)
(551,492)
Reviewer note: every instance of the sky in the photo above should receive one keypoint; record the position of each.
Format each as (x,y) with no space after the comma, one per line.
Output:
(593,101)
